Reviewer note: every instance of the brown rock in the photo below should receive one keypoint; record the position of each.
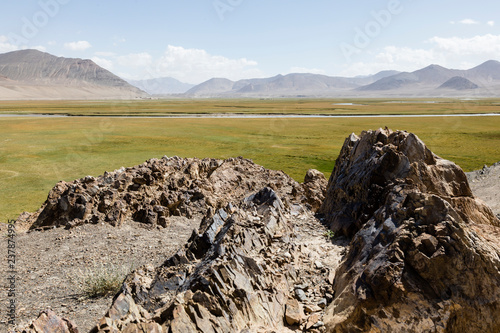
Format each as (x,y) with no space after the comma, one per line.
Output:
(414,260)
(294,314)
(48,321)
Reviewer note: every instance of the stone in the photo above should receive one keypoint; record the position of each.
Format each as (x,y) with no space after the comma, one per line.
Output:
(311,321)
(294,314)
(310,308)
(301,295)
(48,321)
(163,187)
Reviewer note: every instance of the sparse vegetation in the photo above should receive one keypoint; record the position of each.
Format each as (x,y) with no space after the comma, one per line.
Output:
(329,234)
(101,280)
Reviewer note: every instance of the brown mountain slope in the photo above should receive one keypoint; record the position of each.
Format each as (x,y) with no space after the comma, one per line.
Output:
(31,74)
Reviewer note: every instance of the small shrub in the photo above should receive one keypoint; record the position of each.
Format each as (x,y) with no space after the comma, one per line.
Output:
(101,281)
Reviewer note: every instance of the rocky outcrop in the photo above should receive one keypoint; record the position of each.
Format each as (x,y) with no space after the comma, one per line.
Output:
(48,321)
(423,255)
(159,188)
(246,269)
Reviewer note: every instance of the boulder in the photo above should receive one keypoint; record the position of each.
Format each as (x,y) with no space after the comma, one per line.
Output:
(420,259)
(48,321)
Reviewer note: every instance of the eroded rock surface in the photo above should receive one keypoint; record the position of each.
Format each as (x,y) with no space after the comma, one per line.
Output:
(159,188)
(424,256)
(242,271)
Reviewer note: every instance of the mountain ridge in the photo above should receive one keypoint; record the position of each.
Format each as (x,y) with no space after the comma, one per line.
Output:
(32,74)
(426,81)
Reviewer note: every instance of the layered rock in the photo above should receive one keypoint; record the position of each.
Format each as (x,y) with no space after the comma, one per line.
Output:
(159,188)
(424,256)
(48,321)
(246,269)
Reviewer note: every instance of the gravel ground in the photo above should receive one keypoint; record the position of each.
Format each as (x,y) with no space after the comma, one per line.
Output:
(485,184)
(51,263)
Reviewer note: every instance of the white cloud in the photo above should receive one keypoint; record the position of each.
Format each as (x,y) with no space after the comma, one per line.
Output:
(143,59)
(491,23)
(306,70)
(196,65)
(468,21)
(78,46)
(454,52)
(478,45)
(105,63)
(5,46)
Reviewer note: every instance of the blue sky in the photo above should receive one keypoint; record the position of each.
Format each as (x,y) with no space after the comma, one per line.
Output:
(194,40)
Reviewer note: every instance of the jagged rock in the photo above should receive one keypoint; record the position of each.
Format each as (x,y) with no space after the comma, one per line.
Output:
(48,321)
(151,192)
(314,185)
(419,259)
(233,274)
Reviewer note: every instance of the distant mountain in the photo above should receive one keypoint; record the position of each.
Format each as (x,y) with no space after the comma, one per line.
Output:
(296,84)
(458,83)
(32,74)
(432,79)
(433,75)
(211,88)
(489,70)
(162,86)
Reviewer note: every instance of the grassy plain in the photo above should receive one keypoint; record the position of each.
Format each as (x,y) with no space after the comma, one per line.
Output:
(253,106)
(35,153)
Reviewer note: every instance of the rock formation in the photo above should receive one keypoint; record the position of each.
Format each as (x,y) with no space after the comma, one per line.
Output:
(151,192)
(424,254)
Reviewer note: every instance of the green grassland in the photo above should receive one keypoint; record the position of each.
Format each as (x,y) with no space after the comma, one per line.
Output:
(253,106)
(35,153)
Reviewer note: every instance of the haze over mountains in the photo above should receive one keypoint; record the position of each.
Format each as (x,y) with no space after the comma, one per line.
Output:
(31,74)
(432,81)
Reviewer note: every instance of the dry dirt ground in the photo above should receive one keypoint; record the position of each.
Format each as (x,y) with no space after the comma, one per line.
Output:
(485,184)
(49,262)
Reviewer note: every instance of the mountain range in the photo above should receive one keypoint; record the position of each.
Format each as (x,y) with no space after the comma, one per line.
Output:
(432,81)
(31,74)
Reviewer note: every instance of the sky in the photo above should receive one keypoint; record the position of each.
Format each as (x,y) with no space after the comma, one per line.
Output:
(195,40)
